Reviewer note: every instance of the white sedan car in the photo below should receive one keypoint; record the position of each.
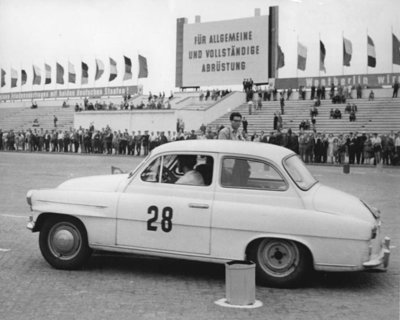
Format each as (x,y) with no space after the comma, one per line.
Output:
(216,201)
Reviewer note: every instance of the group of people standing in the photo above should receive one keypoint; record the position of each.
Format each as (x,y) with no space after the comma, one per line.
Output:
(314,147)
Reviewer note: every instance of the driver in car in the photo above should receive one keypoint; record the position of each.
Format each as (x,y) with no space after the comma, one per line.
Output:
(190,175)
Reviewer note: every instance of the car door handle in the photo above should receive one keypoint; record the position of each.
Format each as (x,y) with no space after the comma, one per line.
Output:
(199,205)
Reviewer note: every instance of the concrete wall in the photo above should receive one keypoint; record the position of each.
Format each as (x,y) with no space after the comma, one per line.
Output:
(152,120)
(194,118)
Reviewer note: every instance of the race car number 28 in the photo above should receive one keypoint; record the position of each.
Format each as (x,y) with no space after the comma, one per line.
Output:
(166,219)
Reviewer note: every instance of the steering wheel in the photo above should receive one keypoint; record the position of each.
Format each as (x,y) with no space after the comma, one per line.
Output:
(167,176)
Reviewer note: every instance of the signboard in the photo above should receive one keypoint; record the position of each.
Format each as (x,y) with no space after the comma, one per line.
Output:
(225,52)
(69,93)
(378,80)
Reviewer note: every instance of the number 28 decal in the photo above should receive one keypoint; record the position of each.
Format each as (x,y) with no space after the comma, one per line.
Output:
(166,219)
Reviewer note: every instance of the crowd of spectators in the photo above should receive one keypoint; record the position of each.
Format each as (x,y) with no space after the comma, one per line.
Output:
(153,101)
(213,95)
(313,147)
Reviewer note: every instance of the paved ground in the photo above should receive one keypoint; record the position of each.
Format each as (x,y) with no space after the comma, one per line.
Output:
(130,287)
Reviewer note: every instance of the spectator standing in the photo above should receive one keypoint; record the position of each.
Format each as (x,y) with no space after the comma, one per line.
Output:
(377,148)
(250,105)
(245,124)
(359,91)
(395,89)
(232,132)
(282,101)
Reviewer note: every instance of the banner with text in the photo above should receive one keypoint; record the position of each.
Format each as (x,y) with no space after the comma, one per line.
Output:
(70,93)
(225,52)
(370,80)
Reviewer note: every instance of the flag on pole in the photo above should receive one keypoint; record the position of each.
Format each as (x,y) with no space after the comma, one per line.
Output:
(37,78)
(281,58)
(14,78)
(23,77)
(371,53)
(85,73)
(71,73)
(113,70)
(99,69)
(47,78)
(301,56)
(128,68)
(3,78)
(60,74)
(143,72)
(347,52)
(396,49)
(322,54)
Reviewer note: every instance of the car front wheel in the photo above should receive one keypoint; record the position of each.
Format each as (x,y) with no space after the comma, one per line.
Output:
(63,242)
(280,262)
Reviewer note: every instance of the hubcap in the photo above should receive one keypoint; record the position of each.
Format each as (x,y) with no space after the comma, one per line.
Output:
(64,240)
(278,257)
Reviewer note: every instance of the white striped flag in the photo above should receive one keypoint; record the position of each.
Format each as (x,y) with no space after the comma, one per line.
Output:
(281,58)
(113,70)
(23,77)
(85,73)
(37,77)
(395,49)
(371,53)
(47,78)
(14,78)
(99,69)
(301,56)
(347,52)
(60,74)
(143,72)
(128,68)
(322,54)
(71,73)
(3,78)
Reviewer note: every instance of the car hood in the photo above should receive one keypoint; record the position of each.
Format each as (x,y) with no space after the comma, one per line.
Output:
(106,183)
(334,201)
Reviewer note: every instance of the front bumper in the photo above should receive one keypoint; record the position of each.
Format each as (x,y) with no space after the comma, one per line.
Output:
(380,261)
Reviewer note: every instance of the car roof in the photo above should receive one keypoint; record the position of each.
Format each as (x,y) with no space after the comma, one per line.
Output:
(248,148)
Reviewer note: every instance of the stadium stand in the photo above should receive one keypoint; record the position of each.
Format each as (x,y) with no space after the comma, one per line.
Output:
(381,116)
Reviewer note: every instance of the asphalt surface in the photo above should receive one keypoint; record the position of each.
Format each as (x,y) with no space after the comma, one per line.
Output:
(132,287)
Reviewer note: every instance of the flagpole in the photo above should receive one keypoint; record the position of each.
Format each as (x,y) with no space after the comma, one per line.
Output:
(297,67)
(20,87)
(342,53)
(367,50)
(137,80)
(44,82)
(391,28)
(319,64)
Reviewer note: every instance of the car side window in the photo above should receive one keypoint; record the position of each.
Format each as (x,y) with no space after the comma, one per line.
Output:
(187,169)
(248,173)
(152,171)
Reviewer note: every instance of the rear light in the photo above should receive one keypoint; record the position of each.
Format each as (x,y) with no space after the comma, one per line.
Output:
(374,211)
(374,232)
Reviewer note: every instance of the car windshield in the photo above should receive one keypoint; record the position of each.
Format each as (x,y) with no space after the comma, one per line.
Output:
(299,172)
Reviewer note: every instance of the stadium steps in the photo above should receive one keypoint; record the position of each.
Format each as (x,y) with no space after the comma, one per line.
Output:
(22,118)
(381,116)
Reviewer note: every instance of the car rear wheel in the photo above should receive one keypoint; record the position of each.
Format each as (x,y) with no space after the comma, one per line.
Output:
(63,242)
(280,263)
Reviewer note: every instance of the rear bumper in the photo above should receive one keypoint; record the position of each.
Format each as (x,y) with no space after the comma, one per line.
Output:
(31,224)
(380,261)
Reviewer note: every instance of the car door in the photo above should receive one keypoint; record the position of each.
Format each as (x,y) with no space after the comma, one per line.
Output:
(252,198)
(158,215)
